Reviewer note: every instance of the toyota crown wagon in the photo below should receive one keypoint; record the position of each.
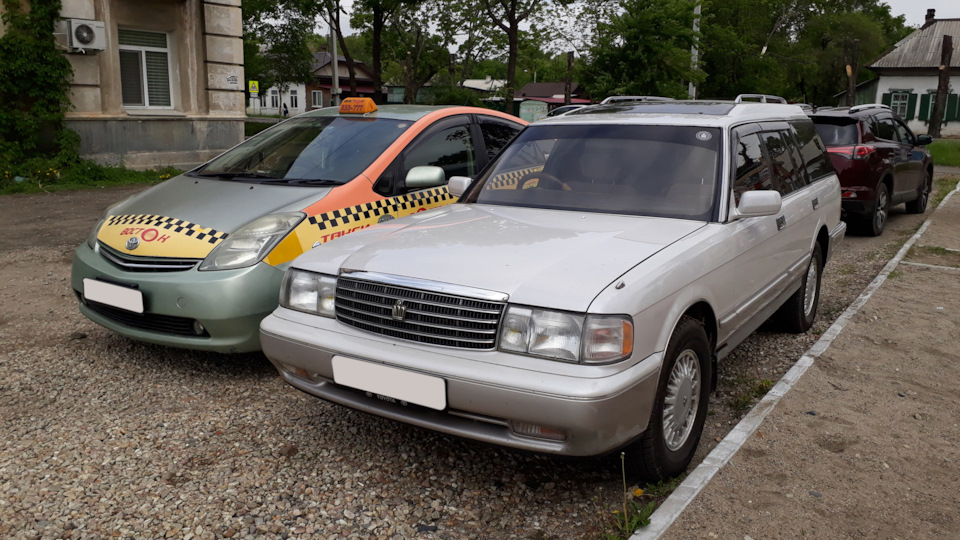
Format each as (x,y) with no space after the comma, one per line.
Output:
(576,300)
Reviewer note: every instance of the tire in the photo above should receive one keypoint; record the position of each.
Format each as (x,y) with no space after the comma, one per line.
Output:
(667,446)
(919,205)
(797,314)
(875,222)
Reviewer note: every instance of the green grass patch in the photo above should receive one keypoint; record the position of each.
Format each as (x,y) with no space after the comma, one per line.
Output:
(896,274)
(754,390)
(47,175)
(638,505)
(946,152)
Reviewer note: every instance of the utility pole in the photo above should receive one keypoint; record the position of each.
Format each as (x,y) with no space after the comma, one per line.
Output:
(694,51)
(943,87)
(852,74)
(336,67)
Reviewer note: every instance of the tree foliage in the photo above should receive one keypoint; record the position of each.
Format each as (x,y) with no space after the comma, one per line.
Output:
(35,85)
(644,50)
(275,41)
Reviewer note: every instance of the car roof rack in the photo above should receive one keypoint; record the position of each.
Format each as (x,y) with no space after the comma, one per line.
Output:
(866,106)
(758,98)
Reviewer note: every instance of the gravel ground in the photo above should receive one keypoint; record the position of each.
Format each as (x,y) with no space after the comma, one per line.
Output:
(102,437)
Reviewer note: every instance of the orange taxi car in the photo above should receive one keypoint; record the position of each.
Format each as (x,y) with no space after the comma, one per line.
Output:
(196,262)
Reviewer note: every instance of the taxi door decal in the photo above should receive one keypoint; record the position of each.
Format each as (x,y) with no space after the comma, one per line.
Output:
(321,228)
(148,235)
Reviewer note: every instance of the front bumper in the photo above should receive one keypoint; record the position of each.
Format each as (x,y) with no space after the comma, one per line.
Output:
(228,303)
(600,408)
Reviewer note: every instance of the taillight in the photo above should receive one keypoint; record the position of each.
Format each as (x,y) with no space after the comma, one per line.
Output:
(852,152)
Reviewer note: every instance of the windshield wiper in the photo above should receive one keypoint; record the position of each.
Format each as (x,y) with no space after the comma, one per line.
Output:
(239,175)
(313,182)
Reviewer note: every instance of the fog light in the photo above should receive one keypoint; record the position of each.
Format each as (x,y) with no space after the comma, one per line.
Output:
(198,328)
(540,432)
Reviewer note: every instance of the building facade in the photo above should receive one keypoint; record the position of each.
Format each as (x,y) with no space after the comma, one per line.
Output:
(908,76)
(163,86)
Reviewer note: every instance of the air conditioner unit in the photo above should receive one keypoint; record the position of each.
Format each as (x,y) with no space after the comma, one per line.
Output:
(86,35)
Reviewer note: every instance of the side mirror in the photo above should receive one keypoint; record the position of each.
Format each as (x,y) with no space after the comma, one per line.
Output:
(425,176)
(458,185)
(757,203)
(924,140)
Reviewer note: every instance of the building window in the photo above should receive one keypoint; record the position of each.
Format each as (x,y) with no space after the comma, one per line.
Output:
(316,96)
(899,102)
(144,69)
(263,100)
(293,99)
(274,99)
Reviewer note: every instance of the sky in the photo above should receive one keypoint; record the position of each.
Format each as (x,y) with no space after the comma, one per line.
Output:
(916,10)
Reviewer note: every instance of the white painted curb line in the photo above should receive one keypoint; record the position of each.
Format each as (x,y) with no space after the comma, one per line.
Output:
(670,510)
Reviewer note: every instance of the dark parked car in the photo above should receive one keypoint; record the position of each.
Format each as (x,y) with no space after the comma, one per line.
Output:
(880,162)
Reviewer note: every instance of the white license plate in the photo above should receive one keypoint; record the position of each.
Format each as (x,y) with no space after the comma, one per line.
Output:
(113,295)
(391,382)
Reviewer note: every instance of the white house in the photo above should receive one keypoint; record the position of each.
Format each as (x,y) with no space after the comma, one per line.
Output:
(271,100)
(908,75)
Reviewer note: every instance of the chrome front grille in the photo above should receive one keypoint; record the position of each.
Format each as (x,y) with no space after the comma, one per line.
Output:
(132,263)
(420,315)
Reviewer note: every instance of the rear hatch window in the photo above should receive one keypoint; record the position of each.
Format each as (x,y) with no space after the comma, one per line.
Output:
(837,131)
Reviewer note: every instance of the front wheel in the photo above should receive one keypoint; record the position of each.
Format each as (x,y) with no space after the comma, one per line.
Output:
(919,205)
(799,311)
(676,423)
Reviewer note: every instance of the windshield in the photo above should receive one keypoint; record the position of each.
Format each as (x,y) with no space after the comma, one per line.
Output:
(309,150)
(643,170)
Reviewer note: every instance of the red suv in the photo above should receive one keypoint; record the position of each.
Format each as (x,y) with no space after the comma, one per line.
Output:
(880,162)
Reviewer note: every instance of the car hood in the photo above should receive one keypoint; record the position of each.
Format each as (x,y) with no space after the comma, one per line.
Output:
(187,217)
(551,258)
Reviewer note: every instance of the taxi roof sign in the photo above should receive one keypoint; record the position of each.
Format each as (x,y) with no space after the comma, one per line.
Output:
(357,105)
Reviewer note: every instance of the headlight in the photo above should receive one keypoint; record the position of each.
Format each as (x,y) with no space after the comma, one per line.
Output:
(568,337)
(92,237)
(251,242)
(309,292)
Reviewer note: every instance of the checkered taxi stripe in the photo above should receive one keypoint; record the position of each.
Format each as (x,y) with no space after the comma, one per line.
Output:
(374,210)
(171,224)
(508,180)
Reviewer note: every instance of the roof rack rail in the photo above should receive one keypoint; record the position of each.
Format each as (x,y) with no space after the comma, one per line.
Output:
(866,106)
(758,98)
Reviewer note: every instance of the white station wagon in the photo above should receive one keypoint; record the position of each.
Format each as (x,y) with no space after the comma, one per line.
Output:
(578,297)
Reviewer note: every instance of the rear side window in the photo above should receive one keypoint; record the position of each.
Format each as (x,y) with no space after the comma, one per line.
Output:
(496,135)
(753,171)
(886,129)
(812,151)
(783,160)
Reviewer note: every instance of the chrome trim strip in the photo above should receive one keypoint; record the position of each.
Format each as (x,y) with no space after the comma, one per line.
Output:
(432,286)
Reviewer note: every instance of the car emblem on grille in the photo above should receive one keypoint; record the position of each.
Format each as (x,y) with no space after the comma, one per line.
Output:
(399,311)
(132,243)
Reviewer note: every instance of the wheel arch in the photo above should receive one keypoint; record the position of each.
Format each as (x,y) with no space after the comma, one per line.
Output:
(702,311)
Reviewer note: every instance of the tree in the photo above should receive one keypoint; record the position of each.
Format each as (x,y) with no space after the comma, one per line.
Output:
(410,44)
(275,38)
(644,50)
(374,15)
(507,15)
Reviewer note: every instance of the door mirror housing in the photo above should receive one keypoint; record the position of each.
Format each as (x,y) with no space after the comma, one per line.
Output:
(425,176)
(757,203)
(924,140)
(458,185)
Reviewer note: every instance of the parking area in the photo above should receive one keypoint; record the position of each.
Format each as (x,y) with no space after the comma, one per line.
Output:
(110,438)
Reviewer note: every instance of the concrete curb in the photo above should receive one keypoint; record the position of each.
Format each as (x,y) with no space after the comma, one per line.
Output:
(670,510)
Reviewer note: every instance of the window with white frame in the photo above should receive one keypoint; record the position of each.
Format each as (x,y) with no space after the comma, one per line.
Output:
(293,99)
(899,102)
(274,99)
(317,98)
(144,69)
(263,100)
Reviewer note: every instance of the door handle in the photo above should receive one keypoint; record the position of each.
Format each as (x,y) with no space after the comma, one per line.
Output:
(816,203)
(781,222)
